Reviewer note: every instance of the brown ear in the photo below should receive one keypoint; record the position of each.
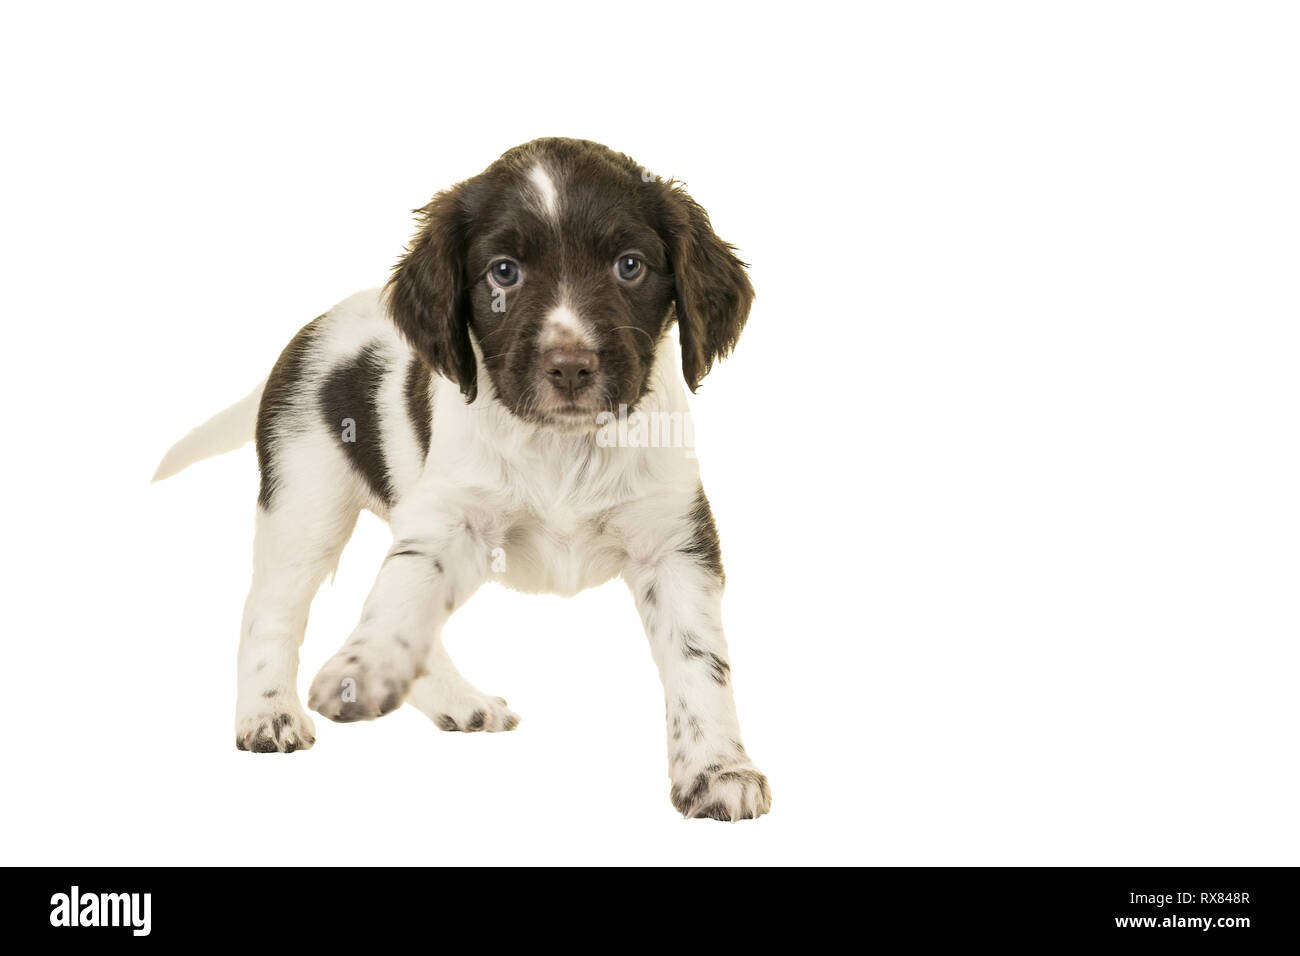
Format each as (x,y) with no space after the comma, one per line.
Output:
(427,294)
(713,290)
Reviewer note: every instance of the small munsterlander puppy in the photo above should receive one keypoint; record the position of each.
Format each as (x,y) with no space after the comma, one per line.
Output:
(464,403)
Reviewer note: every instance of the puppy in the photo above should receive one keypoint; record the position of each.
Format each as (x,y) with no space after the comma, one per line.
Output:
(470,403)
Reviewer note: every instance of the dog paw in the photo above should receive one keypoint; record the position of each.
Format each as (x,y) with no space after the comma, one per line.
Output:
(718,792)
(470,713)
(275,731)
(362,681)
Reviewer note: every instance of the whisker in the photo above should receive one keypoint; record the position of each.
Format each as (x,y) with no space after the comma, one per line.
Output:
(635,329)
(496,331)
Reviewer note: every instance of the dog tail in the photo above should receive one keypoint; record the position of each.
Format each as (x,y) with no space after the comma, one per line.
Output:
(223,432)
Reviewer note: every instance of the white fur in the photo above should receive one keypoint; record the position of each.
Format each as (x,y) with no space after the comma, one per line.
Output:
(547,196)
(224,432)
(564,327)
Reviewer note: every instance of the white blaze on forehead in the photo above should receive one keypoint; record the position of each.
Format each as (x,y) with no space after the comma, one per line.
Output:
(547,195)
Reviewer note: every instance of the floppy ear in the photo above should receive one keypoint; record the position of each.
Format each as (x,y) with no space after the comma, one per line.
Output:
(427,294)
(713,291)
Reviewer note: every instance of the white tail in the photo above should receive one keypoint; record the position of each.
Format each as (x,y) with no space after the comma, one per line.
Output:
(223,432)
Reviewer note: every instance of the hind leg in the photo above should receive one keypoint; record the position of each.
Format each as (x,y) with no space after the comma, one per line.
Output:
(452,702)
(298,542)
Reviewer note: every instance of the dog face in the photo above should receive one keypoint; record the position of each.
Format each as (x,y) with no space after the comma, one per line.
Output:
(567,265)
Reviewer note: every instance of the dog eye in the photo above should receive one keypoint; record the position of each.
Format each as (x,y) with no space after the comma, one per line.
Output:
(628,268)
(504,273)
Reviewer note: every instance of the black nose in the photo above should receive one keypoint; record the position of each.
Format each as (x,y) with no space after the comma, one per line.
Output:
(570,370)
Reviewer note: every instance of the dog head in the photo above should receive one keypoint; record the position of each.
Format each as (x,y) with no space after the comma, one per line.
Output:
(568,263)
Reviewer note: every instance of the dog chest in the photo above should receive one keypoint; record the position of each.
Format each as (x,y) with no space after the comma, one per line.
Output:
(559,553)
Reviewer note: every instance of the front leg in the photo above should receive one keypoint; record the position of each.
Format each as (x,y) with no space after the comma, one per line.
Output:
(677,586)
(437,561)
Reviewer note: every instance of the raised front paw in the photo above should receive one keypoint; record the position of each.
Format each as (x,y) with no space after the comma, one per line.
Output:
(274,730)
(366,679)
(723,792)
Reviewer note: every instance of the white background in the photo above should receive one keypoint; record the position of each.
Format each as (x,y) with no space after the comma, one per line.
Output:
(1005,465)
